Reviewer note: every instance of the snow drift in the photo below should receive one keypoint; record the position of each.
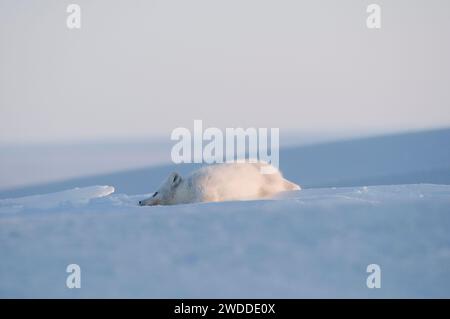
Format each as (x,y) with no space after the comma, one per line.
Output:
(313,243)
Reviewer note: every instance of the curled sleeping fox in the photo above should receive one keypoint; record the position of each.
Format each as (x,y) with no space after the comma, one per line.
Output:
(221,182)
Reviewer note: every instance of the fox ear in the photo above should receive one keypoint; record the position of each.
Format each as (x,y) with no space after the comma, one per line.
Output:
(175,179)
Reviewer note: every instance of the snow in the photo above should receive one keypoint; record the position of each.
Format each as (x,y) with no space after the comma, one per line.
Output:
(73,197)
(309,243)
(383,200)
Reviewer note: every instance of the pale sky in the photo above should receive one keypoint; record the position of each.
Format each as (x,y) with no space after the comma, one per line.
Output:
(143,68)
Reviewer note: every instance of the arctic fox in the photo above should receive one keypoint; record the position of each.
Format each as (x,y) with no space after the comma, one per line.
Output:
(221,182)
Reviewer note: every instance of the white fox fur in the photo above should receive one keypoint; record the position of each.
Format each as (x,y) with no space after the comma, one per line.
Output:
(221,182)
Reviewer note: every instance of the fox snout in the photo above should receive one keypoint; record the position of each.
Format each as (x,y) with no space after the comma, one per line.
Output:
(146,203)
(149,202)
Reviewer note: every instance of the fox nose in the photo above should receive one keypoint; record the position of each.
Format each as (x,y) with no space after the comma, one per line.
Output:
(140,202)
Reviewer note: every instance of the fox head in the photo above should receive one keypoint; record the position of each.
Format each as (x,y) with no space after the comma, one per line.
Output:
(165,193)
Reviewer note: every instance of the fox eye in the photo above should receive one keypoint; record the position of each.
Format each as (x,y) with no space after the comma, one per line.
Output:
(156,193)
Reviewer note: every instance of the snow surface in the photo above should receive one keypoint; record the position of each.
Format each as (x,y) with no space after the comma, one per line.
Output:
(73,197)
(309,243)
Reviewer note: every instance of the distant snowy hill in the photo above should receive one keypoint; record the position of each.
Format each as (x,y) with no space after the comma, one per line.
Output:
(422,157)
(310,243)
